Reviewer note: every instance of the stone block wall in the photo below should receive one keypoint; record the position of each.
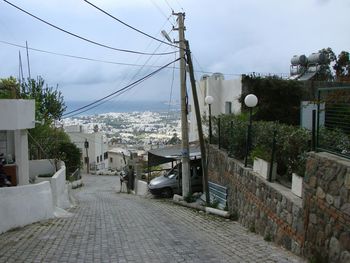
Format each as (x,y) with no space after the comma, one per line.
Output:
(317,226)
(266,208)
(326,206)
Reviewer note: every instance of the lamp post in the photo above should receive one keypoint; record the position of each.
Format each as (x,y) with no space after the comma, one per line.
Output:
(250,101)
(209,100)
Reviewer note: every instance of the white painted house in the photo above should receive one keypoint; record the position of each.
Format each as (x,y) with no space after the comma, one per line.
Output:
(225,94)
(26,203)
(97,150)
(16,116)
(118,158)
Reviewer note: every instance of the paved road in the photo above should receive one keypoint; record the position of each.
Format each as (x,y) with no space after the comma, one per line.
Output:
(111,227)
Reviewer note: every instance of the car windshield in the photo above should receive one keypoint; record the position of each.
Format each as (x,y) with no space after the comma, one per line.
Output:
(170,176)
(173,172)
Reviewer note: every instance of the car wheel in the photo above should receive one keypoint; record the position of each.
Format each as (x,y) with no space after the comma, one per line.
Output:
(167,192)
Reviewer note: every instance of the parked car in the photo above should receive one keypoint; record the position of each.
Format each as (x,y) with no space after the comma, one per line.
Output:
(170,183)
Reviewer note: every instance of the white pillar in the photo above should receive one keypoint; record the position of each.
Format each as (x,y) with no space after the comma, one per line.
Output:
(21,156)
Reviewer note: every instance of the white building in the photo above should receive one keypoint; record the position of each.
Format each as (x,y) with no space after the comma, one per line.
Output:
(16,116)
(97,150)
(225,94)
(118,158)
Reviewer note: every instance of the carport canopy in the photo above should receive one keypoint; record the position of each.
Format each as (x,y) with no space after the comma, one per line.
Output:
(170,154)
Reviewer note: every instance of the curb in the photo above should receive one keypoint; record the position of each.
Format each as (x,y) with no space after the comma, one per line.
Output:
(177,199)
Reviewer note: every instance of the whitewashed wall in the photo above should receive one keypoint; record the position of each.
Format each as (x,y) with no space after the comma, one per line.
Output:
(37,167)
(23,205)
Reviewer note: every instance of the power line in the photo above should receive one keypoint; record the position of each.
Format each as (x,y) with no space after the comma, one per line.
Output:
(76,57)
(129,26)
(135,65)
(122,89)
(83,38)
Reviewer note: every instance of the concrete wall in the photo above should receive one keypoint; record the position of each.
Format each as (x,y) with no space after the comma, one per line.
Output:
(58,184)
(24,205)
(17,114)
(37,167)
(317,226)
(60,189)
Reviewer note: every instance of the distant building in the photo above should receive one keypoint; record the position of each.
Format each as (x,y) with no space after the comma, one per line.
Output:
(118,158)
(225,93)
(97,151)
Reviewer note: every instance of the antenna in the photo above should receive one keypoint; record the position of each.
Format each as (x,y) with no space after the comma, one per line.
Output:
(28,61)
(20,73)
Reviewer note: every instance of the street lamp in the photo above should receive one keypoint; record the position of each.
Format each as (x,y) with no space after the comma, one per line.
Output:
(209,100)
(250,101)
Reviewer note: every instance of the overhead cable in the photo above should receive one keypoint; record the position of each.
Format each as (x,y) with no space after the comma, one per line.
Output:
(122,89)
(122,63)
(84,38)
(76,57)
(129,26)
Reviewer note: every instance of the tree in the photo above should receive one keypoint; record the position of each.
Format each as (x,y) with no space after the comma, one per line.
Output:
(325,73)
(9,88)
(71,156)
(279,100)
(49,102)
(342,67)
(45,140)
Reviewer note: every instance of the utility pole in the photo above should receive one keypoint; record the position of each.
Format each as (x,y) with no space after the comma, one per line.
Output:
(186,183)
(199,124)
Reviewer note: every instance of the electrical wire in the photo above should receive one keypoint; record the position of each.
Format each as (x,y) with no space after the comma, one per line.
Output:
(84,38)
(76,57)
(129,26)
(122,89)
(133,64)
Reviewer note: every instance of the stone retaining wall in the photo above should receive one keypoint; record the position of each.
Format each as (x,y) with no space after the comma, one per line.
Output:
(268,209)
(316,226)
(327,208)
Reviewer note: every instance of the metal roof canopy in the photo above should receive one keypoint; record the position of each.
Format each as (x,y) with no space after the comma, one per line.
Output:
(171,153)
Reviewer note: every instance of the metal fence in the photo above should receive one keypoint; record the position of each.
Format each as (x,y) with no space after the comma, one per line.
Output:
(333,120)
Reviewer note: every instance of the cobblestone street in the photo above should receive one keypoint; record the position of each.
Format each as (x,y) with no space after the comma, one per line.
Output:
(107,226)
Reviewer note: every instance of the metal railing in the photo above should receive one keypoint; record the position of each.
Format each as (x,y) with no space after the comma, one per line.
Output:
(333,121)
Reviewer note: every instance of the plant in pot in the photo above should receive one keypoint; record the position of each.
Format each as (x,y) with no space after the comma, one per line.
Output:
(298,167)
(262,157)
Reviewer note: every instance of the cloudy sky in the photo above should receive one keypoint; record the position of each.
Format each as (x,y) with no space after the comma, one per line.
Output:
(228,36)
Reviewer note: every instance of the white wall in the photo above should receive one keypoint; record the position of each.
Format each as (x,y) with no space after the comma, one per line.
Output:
(222,91)
(97,147)
(59,188)
(17,114)
(44,166)
(23,205)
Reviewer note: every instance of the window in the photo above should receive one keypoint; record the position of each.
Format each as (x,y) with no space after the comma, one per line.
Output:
(98,159)
(228,107)
(105,155)
(111,159)
(101,158)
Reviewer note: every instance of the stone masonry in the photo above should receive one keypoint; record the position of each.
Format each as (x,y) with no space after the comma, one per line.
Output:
(261,206)
(327,208)
(317,226)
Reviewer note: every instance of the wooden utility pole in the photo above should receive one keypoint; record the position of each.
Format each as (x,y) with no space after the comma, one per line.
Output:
(199,124)
(185,159)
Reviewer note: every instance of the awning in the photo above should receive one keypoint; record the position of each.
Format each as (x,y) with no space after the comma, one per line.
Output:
(171,153)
